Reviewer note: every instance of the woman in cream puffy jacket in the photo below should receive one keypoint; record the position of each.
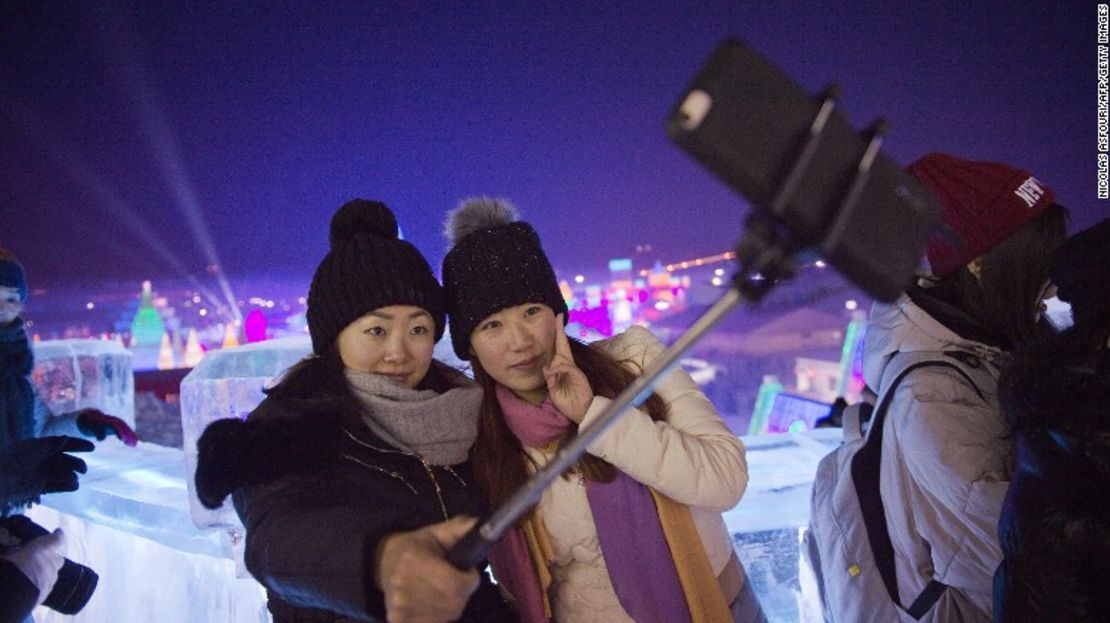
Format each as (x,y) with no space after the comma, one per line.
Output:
(633,532)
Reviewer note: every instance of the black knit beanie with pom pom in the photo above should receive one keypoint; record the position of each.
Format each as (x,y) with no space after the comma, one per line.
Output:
(496,261)
(368,267)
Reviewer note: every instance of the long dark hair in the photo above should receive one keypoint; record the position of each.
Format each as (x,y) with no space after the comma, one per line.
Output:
(1052,530)
(498,458)
(1062,382)
(1003,298)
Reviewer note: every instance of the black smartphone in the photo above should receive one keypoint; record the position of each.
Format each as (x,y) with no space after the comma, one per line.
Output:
(746,121)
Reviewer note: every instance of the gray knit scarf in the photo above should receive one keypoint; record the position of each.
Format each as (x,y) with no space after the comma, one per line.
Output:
(440,428)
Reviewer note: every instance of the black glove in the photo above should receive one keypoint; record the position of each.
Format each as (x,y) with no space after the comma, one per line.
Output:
(95,423)
(32,467)
(232,453)
(218,468)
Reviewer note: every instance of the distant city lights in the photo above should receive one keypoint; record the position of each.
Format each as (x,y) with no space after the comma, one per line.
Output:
(626,295)
(710,259)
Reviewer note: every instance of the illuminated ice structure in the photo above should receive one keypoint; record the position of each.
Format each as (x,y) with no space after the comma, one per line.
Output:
(75,374)
(162,556)
(147,330)
(229,383)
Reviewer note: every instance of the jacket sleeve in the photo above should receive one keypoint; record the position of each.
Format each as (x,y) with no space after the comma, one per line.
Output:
(957,463)
(315,549)
(17,594)
(692,457)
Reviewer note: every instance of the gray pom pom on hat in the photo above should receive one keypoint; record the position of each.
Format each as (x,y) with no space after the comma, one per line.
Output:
(478,213)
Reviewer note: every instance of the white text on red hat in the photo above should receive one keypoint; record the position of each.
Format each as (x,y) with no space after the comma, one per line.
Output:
(1030,191)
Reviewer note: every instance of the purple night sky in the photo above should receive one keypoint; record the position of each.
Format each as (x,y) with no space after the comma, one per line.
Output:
(117,116)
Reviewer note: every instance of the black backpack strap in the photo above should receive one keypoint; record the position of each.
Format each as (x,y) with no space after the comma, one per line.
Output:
(865,478)
(928,597)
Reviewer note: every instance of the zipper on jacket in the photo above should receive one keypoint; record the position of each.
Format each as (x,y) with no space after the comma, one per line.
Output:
(382,470)
(423,462)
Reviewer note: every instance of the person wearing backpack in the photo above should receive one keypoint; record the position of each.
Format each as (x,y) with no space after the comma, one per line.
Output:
(923,545)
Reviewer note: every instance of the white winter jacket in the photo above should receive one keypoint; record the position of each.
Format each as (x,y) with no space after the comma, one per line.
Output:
(946,464)
(692,458)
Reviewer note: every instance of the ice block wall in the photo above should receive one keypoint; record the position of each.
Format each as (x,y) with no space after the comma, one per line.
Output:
(130,521)
(228,383)
(768,523)
(78,374)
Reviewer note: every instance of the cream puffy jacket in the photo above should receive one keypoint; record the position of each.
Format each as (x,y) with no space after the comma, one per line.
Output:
(692,458)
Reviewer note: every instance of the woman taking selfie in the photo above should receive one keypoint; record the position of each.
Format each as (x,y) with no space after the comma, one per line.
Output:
(351,477)
(634,531)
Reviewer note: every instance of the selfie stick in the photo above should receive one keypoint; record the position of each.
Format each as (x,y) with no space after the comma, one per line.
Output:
(765,255)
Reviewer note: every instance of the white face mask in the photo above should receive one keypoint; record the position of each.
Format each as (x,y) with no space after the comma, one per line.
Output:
(1058,314)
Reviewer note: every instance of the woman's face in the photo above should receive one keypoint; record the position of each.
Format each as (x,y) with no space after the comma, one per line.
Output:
(514,345)
(11,304)
(396,341)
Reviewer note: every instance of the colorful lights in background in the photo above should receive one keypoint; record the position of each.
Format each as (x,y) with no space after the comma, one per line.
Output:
(811,355)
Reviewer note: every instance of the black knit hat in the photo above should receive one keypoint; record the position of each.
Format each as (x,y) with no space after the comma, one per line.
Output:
(495,262)
(12,274)
(368,267)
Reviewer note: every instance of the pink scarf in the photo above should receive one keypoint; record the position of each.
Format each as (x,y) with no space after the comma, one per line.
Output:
(535,426)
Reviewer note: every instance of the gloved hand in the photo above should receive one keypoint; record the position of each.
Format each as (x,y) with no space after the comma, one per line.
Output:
(39,560)
(232,453)
(35,466)
(96,423)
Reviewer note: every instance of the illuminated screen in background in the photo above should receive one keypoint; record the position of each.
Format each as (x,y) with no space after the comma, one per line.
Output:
(790,413)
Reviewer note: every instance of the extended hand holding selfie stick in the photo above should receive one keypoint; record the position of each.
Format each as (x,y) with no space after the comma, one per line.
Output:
(815,184)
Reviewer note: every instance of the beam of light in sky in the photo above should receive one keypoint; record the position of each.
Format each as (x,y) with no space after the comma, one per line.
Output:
(164,145)
(66,156)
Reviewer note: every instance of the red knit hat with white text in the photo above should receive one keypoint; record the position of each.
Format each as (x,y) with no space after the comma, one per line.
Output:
(982,204)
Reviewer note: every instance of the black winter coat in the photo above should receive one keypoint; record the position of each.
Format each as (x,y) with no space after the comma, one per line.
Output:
(314,524)
(1055,524)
